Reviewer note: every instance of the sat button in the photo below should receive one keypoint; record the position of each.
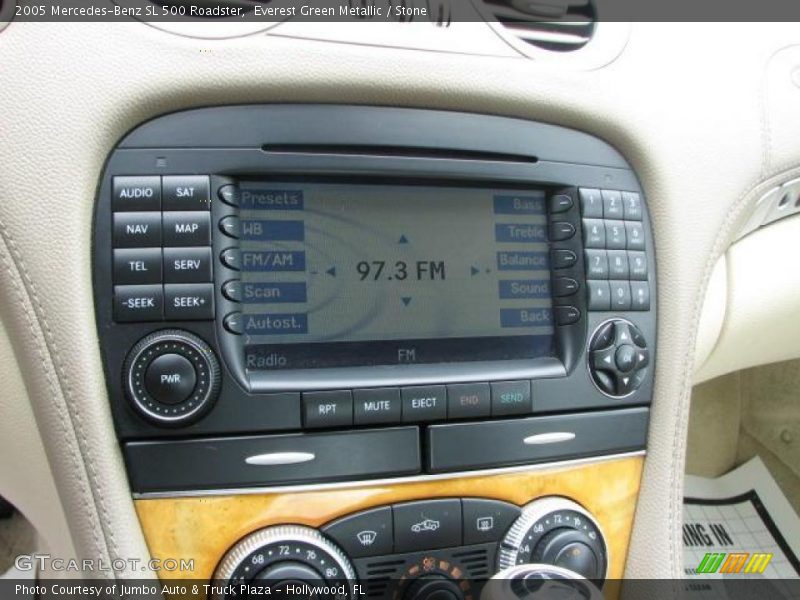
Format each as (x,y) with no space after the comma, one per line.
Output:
(367,533)
(187,192)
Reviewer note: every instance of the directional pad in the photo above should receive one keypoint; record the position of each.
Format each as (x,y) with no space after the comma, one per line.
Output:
(618,358)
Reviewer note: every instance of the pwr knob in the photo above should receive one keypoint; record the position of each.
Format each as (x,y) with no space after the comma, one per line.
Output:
(172,377)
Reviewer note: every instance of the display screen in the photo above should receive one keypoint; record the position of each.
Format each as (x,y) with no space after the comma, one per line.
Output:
(352,274)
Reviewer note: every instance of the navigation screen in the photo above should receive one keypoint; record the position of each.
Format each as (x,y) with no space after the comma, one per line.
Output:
(349,274)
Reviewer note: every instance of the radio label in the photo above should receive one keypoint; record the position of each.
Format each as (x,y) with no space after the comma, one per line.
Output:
(283,324)
(524,288)
(258,293)
(522,261)
(519,205)
(274,261)
(525,317)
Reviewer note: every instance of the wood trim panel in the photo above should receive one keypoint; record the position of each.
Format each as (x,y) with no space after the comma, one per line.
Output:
(204,528)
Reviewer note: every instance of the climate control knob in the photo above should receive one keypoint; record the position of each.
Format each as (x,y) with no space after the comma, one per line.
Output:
(558,532)
(281,556)
(172,377)
(434,587)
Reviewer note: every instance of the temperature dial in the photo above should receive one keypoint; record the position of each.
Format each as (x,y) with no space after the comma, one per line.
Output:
(558,532)
(285,555)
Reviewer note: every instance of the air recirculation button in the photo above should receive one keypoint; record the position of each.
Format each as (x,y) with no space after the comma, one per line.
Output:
(172,377)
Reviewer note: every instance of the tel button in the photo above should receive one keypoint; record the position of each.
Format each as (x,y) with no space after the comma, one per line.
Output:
(427,525)
(170,379)
(424,403)
(367,533)
(468,400)
(486,520)
(137,265)
(328,409)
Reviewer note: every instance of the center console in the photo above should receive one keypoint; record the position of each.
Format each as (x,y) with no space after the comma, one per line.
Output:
(310,295)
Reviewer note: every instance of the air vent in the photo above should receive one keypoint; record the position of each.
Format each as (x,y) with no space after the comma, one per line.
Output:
(554,25)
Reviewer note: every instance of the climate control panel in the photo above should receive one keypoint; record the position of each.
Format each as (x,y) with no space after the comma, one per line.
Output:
(444,549)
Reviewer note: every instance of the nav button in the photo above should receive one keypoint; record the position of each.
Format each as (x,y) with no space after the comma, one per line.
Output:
(424,403)
(367,533)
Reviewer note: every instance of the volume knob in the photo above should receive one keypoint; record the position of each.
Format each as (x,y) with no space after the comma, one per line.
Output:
(172,377)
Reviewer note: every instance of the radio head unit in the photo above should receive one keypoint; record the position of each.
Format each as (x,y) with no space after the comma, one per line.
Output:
(281,268)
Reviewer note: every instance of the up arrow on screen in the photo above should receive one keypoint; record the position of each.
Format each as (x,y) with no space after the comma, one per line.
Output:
(403,240)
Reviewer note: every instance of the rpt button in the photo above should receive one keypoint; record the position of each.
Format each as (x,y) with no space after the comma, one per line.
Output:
(328,409)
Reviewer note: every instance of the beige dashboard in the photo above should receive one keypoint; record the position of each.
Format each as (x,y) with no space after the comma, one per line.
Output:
(706,121)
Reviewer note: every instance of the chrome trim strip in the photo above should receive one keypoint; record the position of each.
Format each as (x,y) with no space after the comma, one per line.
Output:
(553,437)
(396,480)
(279,458)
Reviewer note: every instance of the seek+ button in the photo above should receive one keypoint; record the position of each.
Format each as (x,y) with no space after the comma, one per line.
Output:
(189,301)
(170,379)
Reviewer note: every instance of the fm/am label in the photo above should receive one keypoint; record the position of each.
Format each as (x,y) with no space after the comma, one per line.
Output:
(274,293)
(274,261)
(276,324)
(271,199)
